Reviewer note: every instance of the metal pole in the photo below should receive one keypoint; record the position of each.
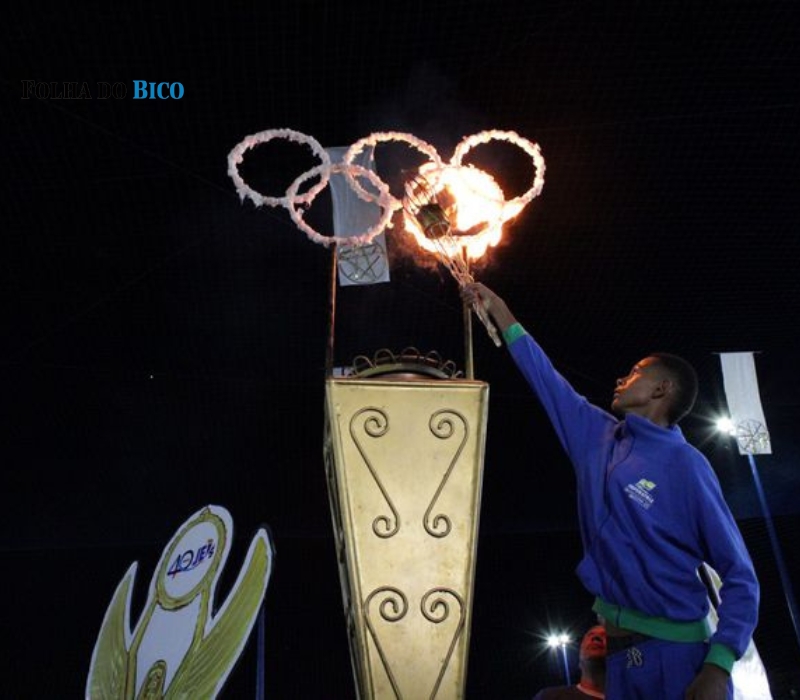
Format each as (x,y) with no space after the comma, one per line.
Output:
(331,313)
(776,548)
(566,663)
(469,362)
(261,653)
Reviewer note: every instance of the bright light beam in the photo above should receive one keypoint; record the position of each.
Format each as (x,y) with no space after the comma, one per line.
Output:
(561,641)
(726,425)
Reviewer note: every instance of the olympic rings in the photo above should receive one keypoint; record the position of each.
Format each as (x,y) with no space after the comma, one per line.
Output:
(293,200)
(383,200)
(384,137)
(532,149)
(237,155)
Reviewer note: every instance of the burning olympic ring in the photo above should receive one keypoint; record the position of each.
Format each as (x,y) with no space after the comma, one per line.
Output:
(237,155)
(383,200)
(532,149)
(384,137)
(293,199)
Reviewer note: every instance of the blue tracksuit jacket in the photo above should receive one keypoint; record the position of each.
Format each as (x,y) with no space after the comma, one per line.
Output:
(651,510)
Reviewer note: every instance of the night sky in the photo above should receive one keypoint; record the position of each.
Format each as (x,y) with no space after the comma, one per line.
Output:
(164,343)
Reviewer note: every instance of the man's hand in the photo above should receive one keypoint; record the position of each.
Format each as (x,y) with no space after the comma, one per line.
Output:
(477,293)
(710,684)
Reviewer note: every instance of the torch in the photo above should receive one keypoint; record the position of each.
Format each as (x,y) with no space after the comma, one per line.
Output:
(422,204)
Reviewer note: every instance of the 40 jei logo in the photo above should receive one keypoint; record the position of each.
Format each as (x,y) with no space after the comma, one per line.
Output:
(190,560)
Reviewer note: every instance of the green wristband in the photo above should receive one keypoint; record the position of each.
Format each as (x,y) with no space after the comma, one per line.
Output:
(513,332)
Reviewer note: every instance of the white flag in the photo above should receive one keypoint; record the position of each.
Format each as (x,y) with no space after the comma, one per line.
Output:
(365,264)
(748,675)
(744,403)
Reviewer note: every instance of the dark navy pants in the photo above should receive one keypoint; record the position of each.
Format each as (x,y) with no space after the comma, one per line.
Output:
(655,670)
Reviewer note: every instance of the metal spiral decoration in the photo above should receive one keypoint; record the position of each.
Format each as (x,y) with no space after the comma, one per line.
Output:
(442,425)
(409,359)
(392,608)
(376,425)
(436,608)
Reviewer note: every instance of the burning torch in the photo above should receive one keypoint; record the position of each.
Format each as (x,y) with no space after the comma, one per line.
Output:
(423,205)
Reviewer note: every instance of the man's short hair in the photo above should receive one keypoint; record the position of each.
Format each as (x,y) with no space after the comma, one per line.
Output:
(684,378)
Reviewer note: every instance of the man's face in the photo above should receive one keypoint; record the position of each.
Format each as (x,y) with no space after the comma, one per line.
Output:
(636,391)
(593,644)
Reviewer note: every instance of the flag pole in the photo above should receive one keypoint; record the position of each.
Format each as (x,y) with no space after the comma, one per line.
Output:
(260,654)
(566,663)
(776,548)
(749,428)
(469,362)
(331,312)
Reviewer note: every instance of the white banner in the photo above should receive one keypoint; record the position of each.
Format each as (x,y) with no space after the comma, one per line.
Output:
(744,403)
(748,674)
(365,264)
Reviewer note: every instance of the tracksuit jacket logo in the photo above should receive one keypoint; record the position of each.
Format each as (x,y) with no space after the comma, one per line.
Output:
(642,492)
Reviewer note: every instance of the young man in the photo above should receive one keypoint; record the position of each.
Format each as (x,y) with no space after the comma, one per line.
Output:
(592,663)
(651,511)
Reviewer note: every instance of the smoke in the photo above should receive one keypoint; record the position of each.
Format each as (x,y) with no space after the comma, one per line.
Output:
(405,252)
(428,106)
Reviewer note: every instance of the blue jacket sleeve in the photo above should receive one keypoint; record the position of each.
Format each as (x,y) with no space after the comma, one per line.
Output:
(579,424)
(725,551)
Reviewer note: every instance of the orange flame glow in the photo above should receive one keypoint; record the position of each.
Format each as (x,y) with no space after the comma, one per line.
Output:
(474,205)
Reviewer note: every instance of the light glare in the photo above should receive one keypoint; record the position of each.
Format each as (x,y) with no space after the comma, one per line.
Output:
(725,425)
(558,640)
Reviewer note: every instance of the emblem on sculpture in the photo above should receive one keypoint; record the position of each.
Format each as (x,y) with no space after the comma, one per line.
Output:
(182,646)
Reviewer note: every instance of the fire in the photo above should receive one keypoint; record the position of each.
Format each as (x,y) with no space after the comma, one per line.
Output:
(472,203)
(455,212)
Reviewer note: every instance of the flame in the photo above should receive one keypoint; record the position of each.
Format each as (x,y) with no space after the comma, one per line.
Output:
(473,204)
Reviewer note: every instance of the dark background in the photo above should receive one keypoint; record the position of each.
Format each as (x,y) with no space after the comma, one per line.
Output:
(164,344)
